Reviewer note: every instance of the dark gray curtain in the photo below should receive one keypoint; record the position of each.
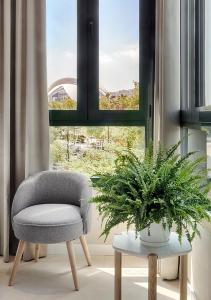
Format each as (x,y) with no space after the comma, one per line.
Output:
(24,142)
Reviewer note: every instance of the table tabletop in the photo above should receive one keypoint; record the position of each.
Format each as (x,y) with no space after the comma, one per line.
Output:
(126,242)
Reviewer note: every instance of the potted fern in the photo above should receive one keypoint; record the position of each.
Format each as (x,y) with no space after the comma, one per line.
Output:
(154,193)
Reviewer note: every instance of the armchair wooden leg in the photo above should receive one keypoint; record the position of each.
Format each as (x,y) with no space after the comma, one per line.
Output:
(37,252)
(18,257)
(72,264)
(86,250)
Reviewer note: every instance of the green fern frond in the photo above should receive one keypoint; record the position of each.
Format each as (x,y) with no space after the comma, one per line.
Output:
(161,186)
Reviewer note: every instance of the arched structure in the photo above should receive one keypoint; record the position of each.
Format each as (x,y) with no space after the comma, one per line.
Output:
(65,88)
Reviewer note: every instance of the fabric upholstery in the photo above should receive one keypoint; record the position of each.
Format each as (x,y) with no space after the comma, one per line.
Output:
(51,207)
(48,223)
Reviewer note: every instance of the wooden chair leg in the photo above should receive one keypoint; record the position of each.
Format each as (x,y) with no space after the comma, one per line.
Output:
(72,264)
(86,250)
(152,277)
(37,252)
(18,257)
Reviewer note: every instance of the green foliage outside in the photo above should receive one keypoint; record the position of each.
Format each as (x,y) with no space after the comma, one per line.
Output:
(121,102)
(162,187)
(92,149)
(106,102)
(68,103)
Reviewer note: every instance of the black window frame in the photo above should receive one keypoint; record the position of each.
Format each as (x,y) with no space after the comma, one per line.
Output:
(88,113)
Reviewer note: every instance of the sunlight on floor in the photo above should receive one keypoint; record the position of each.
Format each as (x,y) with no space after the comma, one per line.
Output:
(51,279)
(128,272)
(161,290)
(142,273)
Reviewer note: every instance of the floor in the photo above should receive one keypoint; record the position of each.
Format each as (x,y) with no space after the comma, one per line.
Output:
(50,278)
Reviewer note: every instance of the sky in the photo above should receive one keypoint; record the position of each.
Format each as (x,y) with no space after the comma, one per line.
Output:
(119,38)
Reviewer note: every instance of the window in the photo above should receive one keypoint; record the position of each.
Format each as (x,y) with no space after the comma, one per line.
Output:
(100,65)
(207,54)
(195,63)
(119,54)
(188,54)
(195,78)
(203,58)
(100,57)
(62,54)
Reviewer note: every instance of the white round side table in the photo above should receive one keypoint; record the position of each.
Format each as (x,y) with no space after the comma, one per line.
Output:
(127,243)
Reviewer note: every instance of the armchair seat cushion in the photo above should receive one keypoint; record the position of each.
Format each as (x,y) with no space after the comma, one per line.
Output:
(48,223)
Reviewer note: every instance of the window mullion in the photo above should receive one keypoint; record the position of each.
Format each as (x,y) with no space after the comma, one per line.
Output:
(82,59)
(93,56)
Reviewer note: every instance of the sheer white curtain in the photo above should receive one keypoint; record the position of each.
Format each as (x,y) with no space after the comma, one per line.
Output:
(24,142)
(167,79)
(167,91)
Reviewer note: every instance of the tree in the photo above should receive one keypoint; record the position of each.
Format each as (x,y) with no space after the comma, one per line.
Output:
(57,151)
(121,102)
(66,104)
(98,132)
(109,139)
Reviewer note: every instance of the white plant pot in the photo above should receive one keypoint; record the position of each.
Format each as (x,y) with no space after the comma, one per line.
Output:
(155,235)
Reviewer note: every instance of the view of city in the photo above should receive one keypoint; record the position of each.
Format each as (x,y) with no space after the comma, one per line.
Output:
(62,95)
(92,150)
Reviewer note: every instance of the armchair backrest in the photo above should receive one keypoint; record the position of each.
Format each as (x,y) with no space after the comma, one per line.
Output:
(51,187)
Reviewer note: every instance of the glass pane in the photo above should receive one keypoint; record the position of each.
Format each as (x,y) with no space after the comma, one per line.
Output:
(91,150)
(200,142)
(61,26)
(208,53)
(119,54)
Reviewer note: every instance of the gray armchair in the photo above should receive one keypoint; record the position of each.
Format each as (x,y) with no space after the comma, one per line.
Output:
(52,207)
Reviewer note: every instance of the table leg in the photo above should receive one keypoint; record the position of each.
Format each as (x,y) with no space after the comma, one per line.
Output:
(118,275)
(152,277)
(183,277)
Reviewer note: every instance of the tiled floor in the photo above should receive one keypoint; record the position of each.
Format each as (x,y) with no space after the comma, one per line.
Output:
(50,278)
